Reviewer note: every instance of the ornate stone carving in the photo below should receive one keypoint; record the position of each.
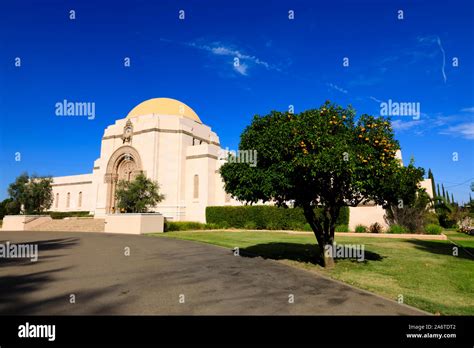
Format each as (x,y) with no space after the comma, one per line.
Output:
(127,132)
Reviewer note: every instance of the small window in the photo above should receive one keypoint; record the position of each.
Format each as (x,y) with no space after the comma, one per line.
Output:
(57,200)
(196,187)
(79,200)
(68,200)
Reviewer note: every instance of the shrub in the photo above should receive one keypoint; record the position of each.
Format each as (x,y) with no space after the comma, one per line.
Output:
(250,225)
(342,228)
(64,214)
(187,226)
(223,224)
(375,228)
(272,226)
(360,229)
(265,217)
(409,215)
(433,229)
(397,229)
(430,218)
(138,195)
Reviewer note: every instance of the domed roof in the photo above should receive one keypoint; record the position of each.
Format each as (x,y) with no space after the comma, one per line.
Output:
(164,106)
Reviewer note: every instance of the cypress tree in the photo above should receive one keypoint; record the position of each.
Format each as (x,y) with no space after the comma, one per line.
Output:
(444,192)
(433,186)
(452,198)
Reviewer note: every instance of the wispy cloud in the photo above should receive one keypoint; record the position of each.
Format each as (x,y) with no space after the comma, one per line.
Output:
(463,130)
(471,109)
(219,49)
(337,88)
(403,125)
(241,69)
(436,40)
(444,59)
(451,125)
(375,99)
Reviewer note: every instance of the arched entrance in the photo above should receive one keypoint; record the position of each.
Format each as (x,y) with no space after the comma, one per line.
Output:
(124,164)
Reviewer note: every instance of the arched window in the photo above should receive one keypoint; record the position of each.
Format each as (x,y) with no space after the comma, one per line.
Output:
(196,187)
(79,200)
(57,200)
(68,200)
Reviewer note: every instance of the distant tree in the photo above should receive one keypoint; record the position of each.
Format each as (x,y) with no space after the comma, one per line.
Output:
(3,210)
(138,195)
(321,158)
(11,207)
(439,192)
(452,199)
(444,192)
(447,197)
(433,185)
(30,195)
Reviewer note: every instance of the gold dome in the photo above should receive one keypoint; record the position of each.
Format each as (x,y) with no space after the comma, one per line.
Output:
(164,106)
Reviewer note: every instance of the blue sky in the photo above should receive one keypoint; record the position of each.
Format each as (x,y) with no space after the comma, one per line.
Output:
(282,62)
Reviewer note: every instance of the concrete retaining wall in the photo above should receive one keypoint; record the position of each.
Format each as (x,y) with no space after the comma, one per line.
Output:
(23,222)
(134,223)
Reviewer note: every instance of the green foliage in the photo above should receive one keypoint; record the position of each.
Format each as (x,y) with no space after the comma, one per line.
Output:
(430,218)
(265,217)
(64,214)
(2,209)
(411,214)
(397,229)
(433,184)
(138,195)
(187,226)
(32,192)
(361,229)
(250,225)
(433,229)
(375,228)
(321,158)
(448,214)
(12,207)
(342,228)
(9,207)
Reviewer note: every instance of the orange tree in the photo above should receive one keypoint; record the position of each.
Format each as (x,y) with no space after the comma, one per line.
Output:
(321,158)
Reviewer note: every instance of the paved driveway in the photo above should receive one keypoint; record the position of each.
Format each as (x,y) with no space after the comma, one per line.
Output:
(160,273)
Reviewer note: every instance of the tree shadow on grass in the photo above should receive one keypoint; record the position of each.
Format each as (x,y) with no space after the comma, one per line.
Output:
(308,253)
(442,248)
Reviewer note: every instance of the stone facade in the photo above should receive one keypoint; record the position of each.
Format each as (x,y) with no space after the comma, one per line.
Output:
(166,140)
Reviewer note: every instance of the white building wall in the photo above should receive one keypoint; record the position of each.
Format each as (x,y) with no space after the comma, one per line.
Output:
(172,150)
(73,185)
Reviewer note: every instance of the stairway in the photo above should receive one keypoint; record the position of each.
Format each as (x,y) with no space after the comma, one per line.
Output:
(72,225)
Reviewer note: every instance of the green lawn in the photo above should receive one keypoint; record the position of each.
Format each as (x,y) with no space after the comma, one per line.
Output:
(424,272)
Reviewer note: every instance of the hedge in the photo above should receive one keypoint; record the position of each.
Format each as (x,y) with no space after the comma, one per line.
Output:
(64,214)
(264,217)
(187,226)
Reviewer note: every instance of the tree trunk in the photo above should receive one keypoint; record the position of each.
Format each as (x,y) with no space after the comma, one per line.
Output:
(325,243)
(329,256)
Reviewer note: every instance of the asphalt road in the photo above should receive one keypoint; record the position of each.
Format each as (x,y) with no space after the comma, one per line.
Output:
(166,276)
